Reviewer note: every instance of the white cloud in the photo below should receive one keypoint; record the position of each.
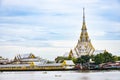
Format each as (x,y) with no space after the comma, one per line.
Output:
(52,27)
(58,49)
(112,46)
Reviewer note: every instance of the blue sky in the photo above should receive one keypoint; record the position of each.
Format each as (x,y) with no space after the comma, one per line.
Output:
(49,28)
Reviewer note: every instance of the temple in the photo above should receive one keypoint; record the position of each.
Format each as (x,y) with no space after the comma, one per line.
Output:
(84,45)
(28,59)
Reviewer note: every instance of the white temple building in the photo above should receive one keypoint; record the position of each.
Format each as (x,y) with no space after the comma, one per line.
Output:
(84,45)
(28,58)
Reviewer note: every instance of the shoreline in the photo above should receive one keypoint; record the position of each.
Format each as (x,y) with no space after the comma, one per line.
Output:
(41,70)
(59,70)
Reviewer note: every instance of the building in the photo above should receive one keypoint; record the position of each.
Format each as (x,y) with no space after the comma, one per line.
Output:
(68,64)
(84,45)
(4,60)
(29,62)
(28,59)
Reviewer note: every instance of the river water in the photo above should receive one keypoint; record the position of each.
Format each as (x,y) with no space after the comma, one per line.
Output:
(61,75)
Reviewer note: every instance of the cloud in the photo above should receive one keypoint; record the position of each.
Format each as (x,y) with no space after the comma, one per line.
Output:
(56,23)
(111,46)
(58,48)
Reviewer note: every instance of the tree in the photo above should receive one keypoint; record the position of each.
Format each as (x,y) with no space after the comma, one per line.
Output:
(104,58)
(0,56)
(107,57)
(61,59)
(118,58)
(74,60)
(83,59)
(92,57)
(99,58)
(115,58)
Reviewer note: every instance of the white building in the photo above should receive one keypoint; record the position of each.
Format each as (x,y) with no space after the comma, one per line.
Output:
(68,64)
(84,45)
(28,58)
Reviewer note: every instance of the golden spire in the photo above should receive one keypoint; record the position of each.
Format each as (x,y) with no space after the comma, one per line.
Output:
(84,25)
(83,15)
(84,35)
(70,54)
(84,45)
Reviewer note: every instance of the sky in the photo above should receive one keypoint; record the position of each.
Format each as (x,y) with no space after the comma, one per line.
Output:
(50,28)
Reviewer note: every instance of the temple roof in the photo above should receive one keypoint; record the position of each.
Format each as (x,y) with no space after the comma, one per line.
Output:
(84,46)
(84,25)
(26,55)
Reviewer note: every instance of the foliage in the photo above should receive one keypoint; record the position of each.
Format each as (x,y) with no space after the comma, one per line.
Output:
(98,59)
(118,58)
(0,56)
(92,57)
(104,58)
(115,58)
(107,57)
(83,59)
(74,60)
(61,59)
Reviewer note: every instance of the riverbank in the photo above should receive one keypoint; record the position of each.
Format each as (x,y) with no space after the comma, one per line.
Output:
(84,70)
(39,70)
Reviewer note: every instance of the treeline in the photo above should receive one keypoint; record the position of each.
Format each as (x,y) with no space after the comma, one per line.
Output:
(97,59)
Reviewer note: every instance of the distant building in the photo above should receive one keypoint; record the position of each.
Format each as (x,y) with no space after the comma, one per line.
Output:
(84,45)
(110,65)
(28,58)
(4,60)
(68,64)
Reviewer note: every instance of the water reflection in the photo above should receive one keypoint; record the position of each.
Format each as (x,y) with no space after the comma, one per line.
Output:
(61,75)
(84,78)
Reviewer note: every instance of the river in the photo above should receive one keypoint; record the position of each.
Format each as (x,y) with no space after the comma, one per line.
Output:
(61,75)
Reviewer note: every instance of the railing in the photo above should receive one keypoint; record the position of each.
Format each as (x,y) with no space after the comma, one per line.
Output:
(31,68)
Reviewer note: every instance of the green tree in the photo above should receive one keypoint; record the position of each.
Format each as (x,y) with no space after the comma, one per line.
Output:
(0,56)
(92,57)
(83,59)
(61,59)
(104,58)
(74,60)
(107,57)
(115,58)
(118,58)
(99,58)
